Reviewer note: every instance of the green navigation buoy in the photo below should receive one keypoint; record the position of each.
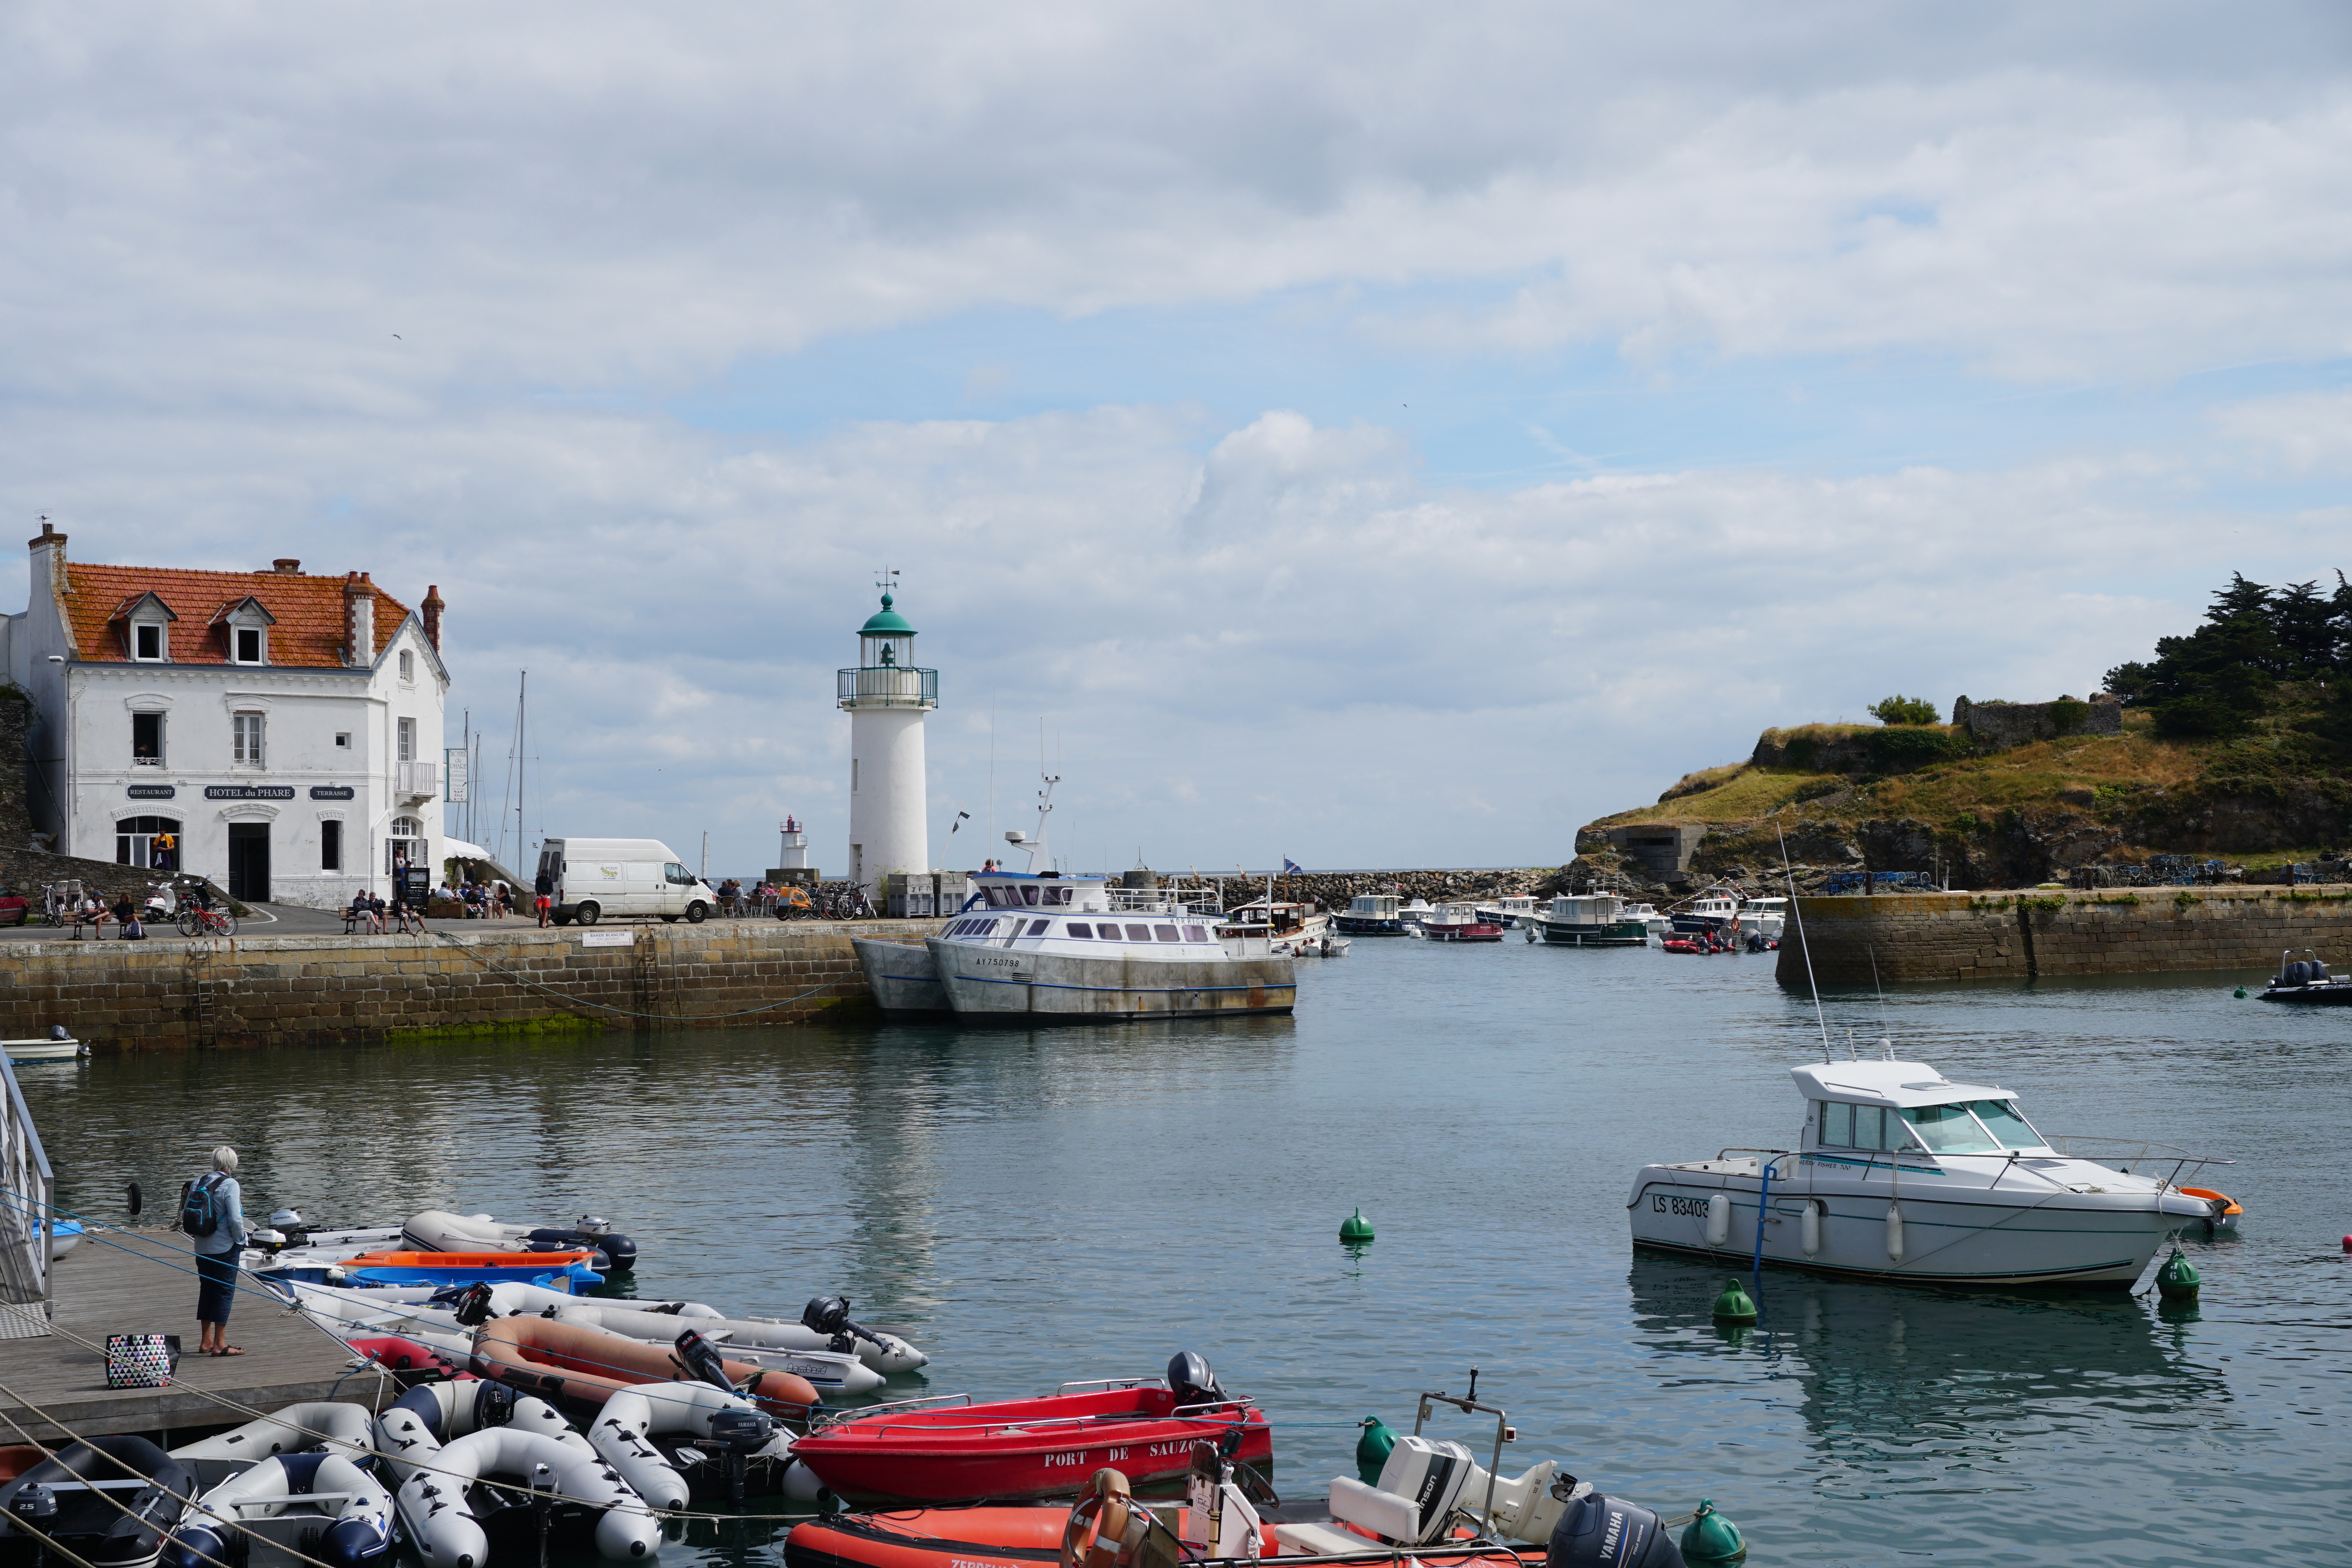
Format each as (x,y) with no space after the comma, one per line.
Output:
(2177,1280)
(1712,1538)
(2240,993)
(1372,1449)
(1356,1227)
(1734,1306)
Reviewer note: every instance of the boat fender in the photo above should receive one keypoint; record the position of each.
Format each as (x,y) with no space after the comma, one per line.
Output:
(1895,1232)
(1718,1219)
(1809,1229)
(1597,1531)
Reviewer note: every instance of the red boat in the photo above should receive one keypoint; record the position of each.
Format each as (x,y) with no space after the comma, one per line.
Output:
(1040,1447)
(1459,923)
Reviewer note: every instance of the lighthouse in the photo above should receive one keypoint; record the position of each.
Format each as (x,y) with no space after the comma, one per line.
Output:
(886,698)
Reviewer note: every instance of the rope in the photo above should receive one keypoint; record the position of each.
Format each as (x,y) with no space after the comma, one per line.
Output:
(624,1012)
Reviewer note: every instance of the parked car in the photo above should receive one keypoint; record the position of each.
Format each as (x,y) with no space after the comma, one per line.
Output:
(15,907)
(599,879)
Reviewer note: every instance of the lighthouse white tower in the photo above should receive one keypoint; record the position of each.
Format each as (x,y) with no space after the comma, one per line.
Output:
(886,697)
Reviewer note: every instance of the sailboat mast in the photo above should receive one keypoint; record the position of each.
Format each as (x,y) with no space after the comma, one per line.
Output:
(522,691)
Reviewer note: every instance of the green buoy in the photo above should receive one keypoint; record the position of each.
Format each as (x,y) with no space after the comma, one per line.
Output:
(1372,1449)
(1734,1306)
(1356,1227)
(2240,993)
(2177,1279)
(1712,1538)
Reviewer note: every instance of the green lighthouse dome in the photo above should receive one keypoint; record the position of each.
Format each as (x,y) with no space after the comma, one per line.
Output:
(885,622)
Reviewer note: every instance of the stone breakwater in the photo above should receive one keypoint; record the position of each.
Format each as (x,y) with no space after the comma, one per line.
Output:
(2015,936)
(166,995)
(1335,890)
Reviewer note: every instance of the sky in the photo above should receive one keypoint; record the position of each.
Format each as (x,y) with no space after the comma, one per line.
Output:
(1369,435)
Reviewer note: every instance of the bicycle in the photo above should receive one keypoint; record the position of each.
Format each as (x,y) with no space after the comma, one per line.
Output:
(195,921)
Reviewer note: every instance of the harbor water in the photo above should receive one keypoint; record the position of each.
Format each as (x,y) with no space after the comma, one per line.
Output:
(1038,1206)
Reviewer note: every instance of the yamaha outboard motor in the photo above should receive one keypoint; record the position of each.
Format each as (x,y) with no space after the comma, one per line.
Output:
(1601,1532)
(1194,1382)
(472,1306)
(736,1435)
(699,1358)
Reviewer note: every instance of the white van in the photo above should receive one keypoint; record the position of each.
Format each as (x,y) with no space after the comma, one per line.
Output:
(600,878)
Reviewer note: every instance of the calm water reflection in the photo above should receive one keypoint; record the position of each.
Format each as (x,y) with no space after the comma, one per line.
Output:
(1078,1203)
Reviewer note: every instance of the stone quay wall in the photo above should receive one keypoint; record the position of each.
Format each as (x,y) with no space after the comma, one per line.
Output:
(170,995)
(2014,935)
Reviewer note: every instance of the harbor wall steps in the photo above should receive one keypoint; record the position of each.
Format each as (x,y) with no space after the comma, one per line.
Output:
(2033,932)
(169,995)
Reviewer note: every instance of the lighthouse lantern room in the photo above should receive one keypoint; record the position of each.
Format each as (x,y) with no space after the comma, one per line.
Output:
(886,696)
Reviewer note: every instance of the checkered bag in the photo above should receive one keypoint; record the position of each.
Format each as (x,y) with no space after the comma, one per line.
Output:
(142,1360)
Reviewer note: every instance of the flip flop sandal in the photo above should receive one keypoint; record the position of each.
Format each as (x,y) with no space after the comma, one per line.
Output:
(229,1350)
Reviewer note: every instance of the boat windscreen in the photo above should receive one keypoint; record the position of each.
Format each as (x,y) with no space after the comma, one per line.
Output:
(1949,1130)
(2002,1120)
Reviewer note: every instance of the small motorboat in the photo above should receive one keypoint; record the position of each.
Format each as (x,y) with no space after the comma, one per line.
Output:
(1647,914)
(59,1047)
(65,1234)
(2308,981)
(550,1270)
(1371,914)
(438,1230)
(109,1501)
(1042,1448)
(1459,923)
(1588,920)
(1692,945)
(1715,912)
(287,1249)
(824,1324)
(585,1366)
(410,1361)
(1427,1501)
(1765,917)
(1508,912)
(1901,1173)
(441,1441)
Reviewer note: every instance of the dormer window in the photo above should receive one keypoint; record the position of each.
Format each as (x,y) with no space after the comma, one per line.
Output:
(245,630)
(146,628)
(147,642)
(248,644)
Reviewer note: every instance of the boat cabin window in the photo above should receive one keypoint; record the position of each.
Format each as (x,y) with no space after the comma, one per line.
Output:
(2008,1129)
(995,896)
(1166,933)
(1845,1126)
(1949,1130)
(1059,894)
(1138,933)
(1081,928)
(1039,927)
(1029,896)
(1196,934)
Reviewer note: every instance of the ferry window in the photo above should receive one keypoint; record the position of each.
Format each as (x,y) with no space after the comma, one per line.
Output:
(1058,895)
(1138,933)
(995,896)
(1081,928)
(1949,1130)
(2010,1130)
(1196,934)
(1166,932)
(1837,1124)
(1039,927)
(1029,896)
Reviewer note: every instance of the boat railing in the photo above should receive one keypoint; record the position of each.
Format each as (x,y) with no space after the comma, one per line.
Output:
(1111,1382)
(843,1418)
(2124,1153)
(863,1418)
(1162,900)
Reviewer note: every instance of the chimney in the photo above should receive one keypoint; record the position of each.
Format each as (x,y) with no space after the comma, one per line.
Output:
(49,558)
(433,608)
(287,564)
(358,620)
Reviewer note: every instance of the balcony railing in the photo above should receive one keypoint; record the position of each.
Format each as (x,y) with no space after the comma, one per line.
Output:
(418,780)
(889,686)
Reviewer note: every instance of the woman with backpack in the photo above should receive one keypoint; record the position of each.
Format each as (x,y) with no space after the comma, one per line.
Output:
(212,1212)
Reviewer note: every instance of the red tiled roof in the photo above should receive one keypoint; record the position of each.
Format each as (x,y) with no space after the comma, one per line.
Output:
(309,629)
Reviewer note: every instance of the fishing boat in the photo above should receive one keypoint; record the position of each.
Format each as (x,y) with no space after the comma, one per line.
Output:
(1902,1175)
(1422,1500)
(110,1502)
(1371,914)
(1517,910)
(941,1451)
(1459,923)
(899,972)
(1271,928)
(57,1047)
(1588,920)
(1716,910)
(1647,914)
(2308,981)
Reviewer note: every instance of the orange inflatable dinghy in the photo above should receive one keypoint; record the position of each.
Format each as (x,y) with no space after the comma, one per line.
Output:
(569,1361)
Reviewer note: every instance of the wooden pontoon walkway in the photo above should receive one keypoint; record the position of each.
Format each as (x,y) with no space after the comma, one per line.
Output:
(145,1283)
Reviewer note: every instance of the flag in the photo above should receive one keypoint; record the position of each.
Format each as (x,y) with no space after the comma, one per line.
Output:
(961,818)
(1289,865)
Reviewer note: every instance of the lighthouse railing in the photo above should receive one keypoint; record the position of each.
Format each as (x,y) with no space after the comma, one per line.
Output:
(890,685)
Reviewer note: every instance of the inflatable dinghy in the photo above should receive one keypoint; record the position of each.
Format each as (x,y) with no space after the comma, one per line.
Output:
(352,1314)
(318,1426)
(409,1361)
(835,1374)
(439,1230)
(586,1367)
(443,1440)
(671,1441)
(548,1270)
(1035,1447)
(109,1501)
(824,1325)
(321,1505)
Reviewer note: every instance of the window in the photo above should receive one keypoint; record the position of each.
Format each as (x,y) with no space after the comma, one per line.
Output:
(1138,933)
(248,644)
(408,740)
(343,738)
(147,740)
(1059,894)
(677,875)
(404,847)
(2010,1130)
(246,734)
(1081,928)
(1038,928)
(853,775)
(1196,934)
(1166,933)
(330,845)
(407,665)
(147,641)
(1029,896)
(134,839)
(1837,1124)
(1949,1130)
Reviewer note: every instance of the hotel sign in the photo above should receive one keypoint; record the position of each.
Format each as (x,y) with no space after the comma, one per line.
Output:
(249,791)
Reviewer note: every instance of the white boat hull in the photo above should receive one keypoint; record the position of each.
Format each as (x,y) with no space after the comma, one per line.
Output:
(984,980)
(44,1050)
(902,976)
(1962,1236)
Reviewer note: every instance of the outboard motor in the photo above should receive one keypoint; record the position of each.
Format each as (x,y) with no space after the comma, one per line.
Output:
(830,1315)
(57,1032)
(1193,1381)
(699,1358)
(1603,1531)
(472,1306)
(736,1435)
(493,1405)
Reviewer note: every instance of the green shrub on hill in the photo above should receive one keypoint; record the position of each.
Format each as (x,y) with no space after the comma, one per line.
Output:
(1903,710)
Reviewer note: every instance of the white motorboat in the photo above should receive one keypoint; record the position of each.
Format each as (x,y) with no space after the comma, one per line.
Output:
(59,1047)
(1763,917)
(1046,944)
(438,1230)
(1517,910)
(1371,914)
(1415,915)
(1588,920)
(299,1483)
(1715,910)
(1647,914)
(1271,929)
(1901,1173)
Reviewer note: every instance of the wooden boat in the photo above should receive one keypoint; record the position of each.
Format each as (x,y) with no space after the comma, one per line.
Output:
(554,1271)
(586,1367)
(1031,1447)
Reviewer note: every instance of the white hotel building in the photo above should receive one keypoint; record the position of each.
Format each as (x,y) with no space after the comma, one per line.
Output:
(285,729)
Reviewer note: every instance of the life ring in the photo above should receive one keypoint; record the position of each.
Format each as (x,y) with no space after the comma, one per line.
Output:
(1096,1533)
